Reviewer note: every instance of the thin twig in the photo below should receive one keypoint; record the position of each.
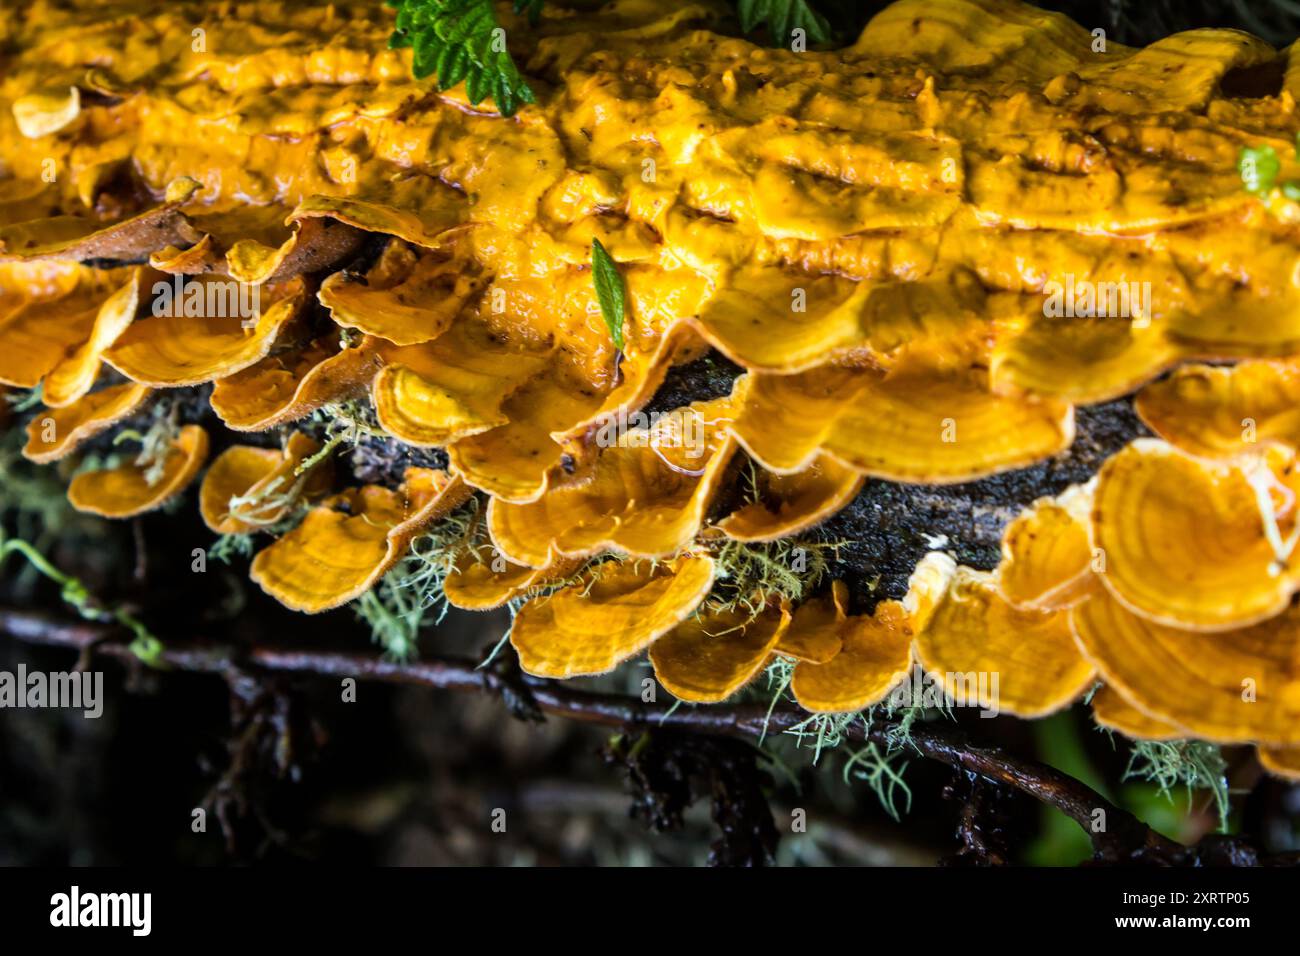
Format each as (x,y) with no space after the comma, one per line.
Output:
(1117,836)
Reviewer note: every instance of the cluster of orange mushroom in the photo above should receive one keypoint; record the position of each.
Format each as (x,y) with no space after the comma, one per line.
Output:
(871,233)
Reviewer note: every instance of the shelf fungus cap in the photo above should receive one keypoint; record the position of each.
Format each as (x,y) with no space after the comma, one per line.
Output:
(1195,544)
(789,504)
(219,328)
(1229,687)
(1225,412)
(515,462)
(490,581)
(314,245)
(46,111)
(710,656)
(75,375)
(435,393)
(1047,555)
(291,384)
(127,490)
(987,653)
(350,541)
(403,300)
(1111,710)
(614,611)
(1281,762)
(913,424)
(54,321)
(80,239)
(58,431)
(248,488)
(875,653)
(648,494)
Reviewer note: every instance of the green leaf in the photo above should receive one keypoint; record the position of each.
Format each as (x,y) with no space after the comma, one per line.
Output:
(456,41)
(782,17)
(532,7)
(1258,169)
(1291,190)
(611,292)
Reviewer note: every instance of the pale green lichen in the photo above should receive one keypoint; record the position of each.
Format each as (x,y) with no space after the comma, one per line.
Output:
(411,596)
(155,441)
(1190,764)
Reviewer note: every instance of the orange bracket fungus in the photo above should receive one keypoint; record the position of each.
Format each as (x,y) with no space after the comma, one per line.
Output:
(962,346)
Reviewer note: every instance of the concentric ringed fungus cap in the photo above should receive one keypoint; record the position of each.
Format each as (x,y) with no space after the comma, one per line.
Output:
(875,653)
(712,655)
(647,496)
(127,491)
(1047,557)
(265,478)
(789,504)
(481,585)
(345,545)
(1022,662)
(58,432)
(1187,542)
(1112,711)
(1240,686)
(176,349)
(911,425)
(614,611)
(1224,412)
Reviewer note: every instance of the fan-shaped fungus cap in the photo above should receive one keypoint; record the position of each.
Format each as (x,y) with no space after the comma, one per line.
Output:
(452,387)
(1229,687)
(480,586)
(263,479)
(1112,711)
(127,491)
(345,545)
(405,299)
(1281,761)
(710,656)
(59,431)
(313,245)
(49,314)
(46,111)
(789,504)
(914,424)
(514,461)
(1046,554)
(1224,412)
(1187,543)
(417,209)
(648,494)
(75,239)
(614,611)
(291,384)
(202,335)
(1082,360)
(75,375)
(875,654)
(985,651)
